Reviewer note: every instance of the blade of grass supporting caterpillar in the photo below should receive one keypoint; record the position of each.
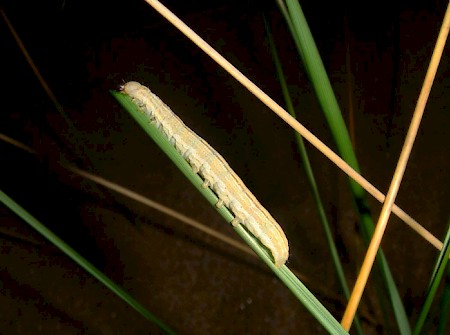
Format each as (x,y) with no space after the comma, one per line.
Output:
(283,273)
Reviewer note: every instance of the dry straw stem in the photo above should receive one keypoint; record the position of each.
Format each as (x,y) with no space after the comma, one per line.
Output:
(398,175)
(277,109)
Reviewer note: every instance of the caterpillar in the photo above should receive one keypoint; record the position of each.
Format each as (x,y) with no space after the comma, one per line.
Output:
(214,170)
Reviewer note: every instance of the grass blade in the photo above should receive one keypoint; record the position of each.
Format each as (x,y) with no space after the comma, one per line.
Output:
(284,274)
(310,175)
(77,258)
(444,308)
(319,79)
(439,270)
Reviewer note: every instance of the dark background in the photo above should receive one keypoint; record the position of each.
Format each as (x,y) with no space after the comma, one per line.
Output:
(195,284)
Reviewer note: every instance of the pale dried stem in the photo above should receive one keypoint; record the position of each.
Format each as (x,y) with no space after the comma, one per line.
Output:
(366,267)
(277,109)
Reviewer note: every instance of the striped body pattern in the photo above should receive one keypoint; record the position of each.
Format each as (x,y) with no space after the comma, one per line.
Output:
(215,172)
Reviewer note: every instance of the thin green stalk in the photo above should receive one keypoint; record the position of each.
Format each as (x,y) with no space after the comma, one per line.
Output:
(444,309)
(319,79)
(284,274)
(77,258)
(439,269)
(310,175)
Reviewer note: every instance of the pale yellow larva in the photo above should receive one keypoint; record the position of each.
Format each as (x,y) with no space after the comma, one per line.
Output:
(216,172)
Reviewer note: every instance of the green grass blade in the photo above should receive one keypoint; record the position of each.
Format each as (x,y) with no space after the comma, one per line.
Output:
(439,270)
(77,258)
(308,169)
(441,259)
(284,274)
(444,310)
(310,175)
(319,79)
